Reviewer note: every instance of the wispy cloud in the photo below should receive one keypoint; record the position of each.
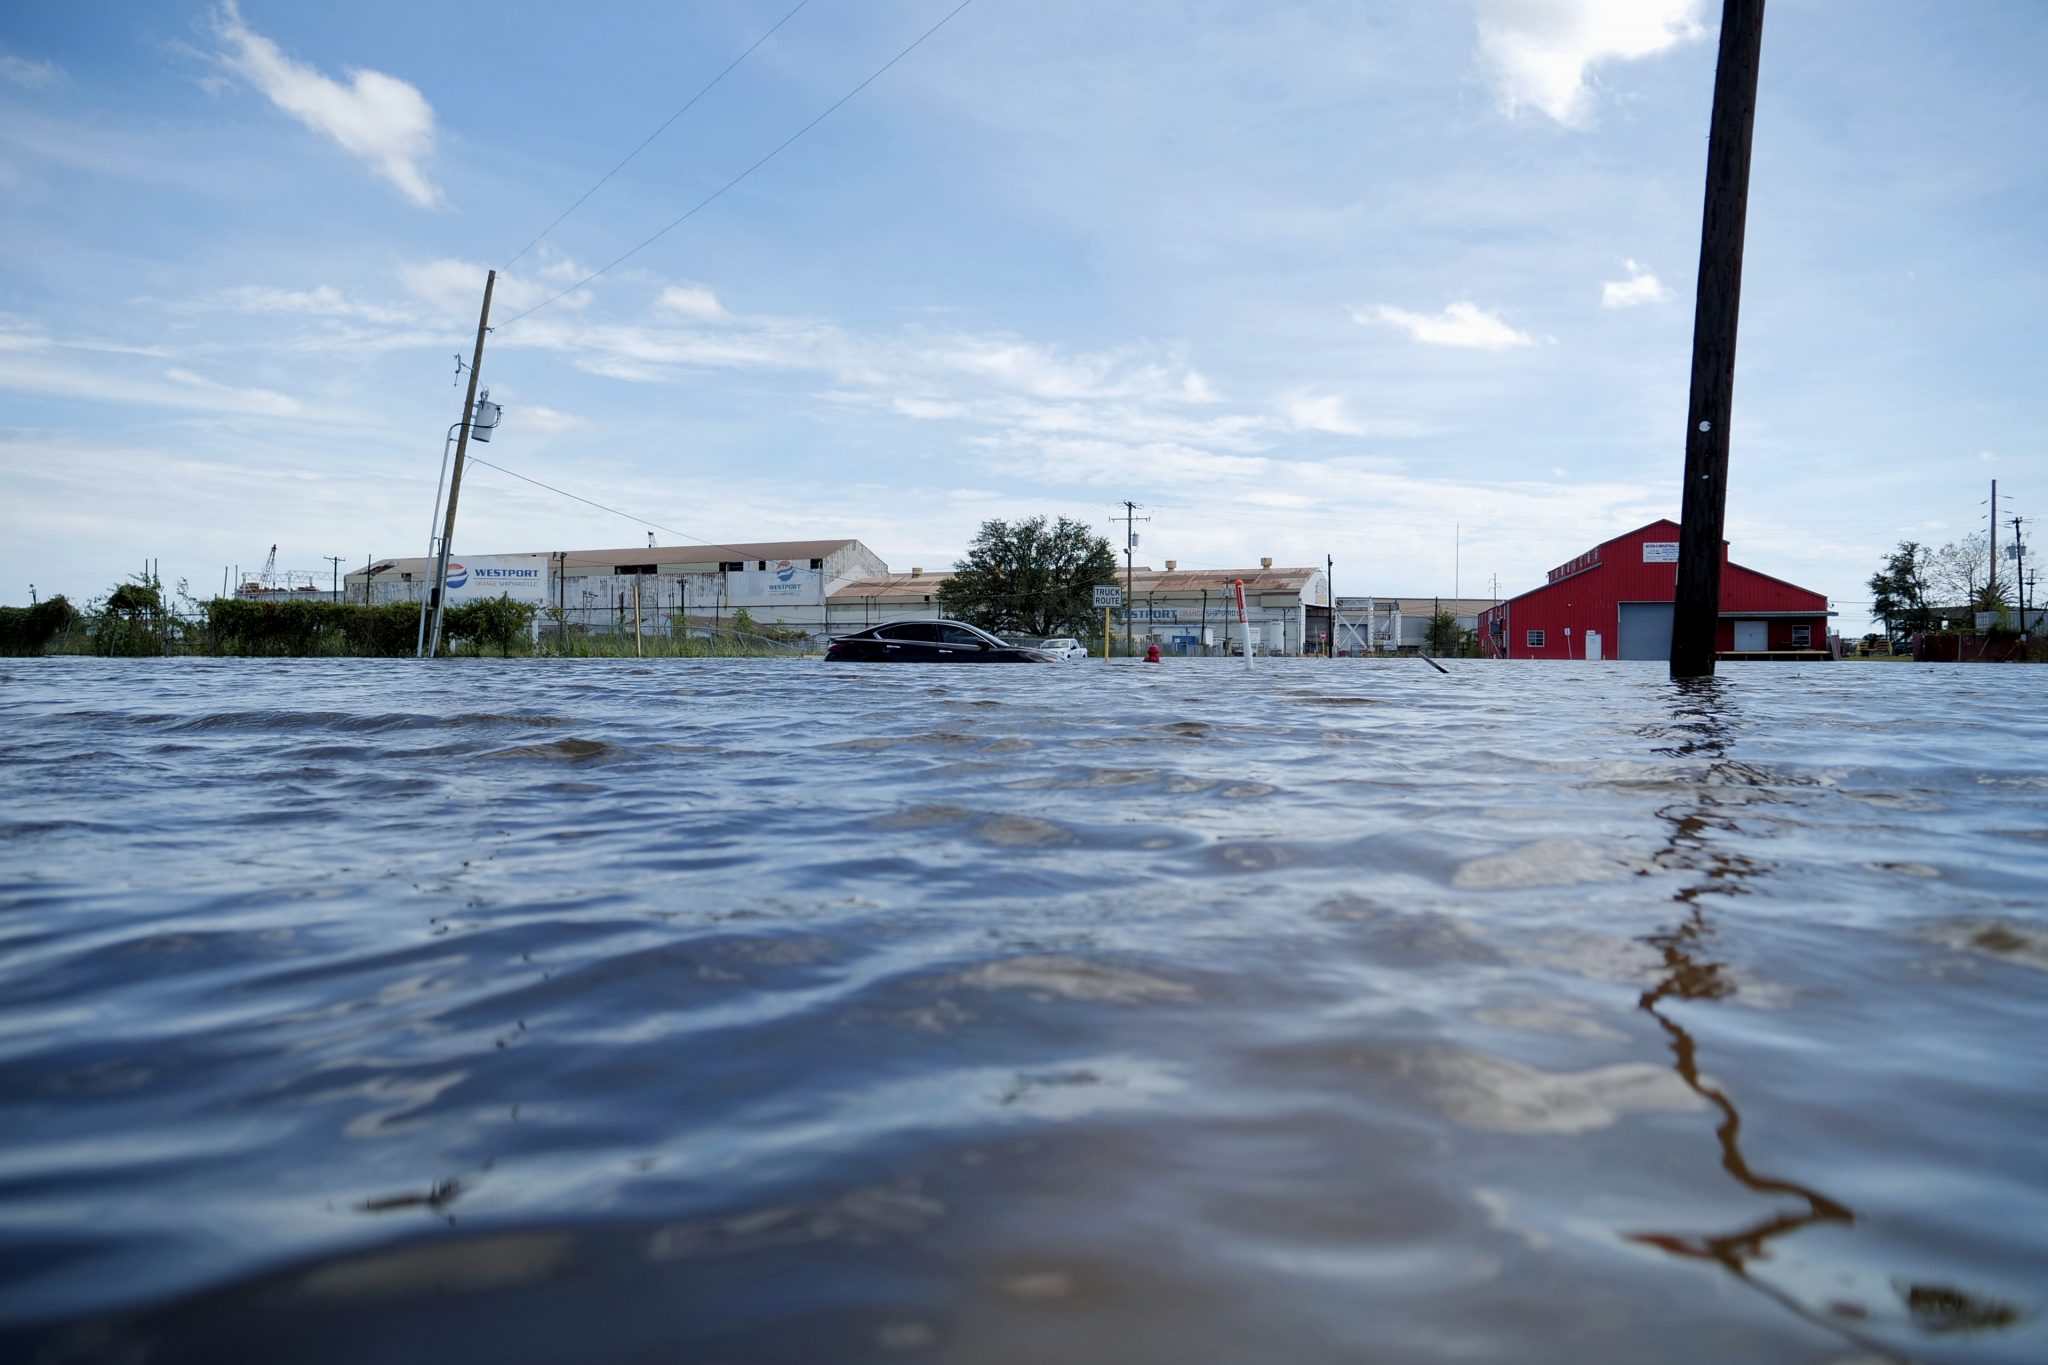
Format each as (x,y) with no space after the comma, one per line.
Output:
(232,399)
(1329,412)
(1639,288)
(47,375)
(321,301)
(1539,52)
(692,301)
(546,421)
(453,290)
(31,75)
(1461,324)
(381,120)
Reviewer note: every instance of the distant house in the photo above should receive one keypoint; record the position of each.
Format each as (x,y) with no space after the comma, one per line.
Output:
(1615,602)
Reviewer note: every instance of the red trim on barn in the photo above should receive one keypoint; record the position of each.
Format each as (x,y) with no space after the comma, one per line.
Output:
(1586,596)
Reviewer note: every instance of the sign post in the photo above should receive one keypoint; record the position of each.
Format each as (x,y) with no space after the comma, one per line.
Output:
(1107,596)
(1243,627)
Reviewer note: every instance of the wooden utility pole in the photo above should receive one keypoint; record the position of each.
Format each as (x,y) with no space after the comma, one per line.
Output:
(1696,610)
(483,326)
(1991,575)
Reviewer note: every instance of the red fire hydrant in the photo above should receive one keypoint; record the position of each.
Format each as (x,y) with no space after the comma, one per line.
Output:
(1151,654)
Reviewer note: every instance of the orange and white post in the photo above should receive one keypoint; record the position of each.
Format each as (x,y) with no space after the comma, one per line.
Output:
(1244,629)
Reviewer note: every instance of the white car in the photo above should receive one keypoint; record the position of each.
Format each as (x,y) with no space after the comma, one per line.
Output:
(1064,647)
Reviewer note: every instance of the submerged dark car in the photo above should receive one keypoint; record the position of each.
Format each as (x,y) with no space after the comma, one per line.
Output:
(930,642)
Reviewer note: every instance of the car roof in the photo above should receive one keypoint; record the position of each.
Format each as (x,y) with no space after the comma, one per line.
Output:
(920,621)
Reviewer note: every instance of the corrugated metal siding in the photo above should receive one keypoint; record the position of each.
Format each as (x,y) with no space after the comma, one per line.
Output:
(1591,598)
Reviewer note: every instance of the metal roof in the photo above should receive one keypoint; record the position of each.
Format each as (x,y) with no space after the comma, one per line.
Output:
(710,554)
(1194,580)
(1419,606)
(1143,580)
(893,585)
(713,555)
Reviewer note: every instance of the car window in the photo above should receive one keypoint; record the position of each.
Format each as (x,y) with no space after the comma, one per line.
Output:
(959,635)
(921,632)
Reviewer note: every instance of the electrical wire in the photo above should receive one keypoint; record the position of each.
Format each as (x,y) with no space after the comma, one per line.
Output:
(716,194)
(653,135)
(577,497)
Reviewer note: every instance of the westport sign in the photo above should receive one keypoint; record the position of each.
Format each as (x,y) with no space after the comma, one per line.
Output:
(478,578)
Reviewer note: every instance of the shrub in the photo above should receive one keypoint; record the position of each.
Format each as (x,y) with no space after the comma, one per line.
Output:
(29,630)
(495,621)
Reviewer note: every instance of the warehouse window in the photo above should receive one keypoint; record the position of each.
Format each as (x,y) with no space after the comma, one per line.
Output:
(1802,637)
(1535,639)
(731,566)
(817,563)
(630,569)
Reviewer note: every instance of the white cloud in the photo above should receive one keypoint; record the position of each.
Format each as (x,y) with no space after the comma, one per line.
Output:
(50,376)
(31,75)
(693,301)
(1639,288)
(1539,52)
(544,421)
(564,271)
(1460,324)
(455,290)
(261,401)
(321,301)
(1306,411)
(381,120)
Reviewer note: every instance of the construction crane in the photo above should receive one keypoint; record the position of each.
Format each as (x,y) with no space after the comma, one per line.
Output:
(256,583)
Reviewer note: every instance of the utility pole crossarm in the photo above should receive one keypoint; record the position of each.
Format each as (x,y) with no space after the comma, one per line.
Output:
(483,327)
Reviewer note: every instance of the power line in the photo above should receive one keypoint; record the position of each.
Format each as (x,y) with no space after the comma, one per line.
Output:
(653,135)
(711,198)
(577,497)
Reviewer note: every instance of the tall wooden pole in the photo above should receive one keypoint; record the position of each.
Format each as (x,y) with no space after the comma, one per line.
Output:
(1991,575)
(1696,612)
(476,363)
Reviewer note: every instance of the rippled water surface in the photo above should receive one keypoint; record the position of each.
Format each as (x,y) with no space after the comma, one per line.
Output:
(730,1011)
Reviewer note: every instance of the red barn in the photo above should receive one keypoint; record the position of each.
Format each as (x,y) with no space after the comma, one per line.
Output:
(1614,602)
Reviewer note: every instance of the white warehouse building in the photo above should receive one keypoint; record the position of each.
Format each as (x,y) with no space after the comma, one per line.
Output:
(828,587)
(786,583)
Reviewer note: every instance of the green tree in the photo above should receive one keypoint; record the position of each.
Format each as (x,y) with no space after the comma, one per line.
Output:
(1443,634)
(130,619)
(495,621)
(1029,578)
(1898,591)
(1956,573)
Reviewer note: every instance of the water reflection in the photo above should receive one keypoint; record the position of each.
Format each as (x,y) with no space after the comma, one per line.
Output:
(1704,721)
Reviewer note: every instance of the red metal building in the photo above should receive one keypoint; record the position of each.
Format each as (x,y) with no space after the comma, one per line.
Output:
(1614,602)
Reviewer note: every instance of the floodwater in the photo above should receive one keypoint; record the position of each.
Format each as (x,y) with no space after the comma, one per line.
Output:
(775,1011)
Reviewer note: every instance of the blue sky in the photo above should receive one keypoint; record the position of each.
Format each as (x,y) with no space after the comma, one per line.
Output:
(1408,285)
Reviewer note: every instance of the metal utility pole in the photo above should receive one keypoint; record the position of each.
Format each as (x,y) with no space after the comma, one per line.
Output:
(334,562)
(1131,517)
(2019,565)
(483,326)
(1330,589)
(1992,580)
(1696,609)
